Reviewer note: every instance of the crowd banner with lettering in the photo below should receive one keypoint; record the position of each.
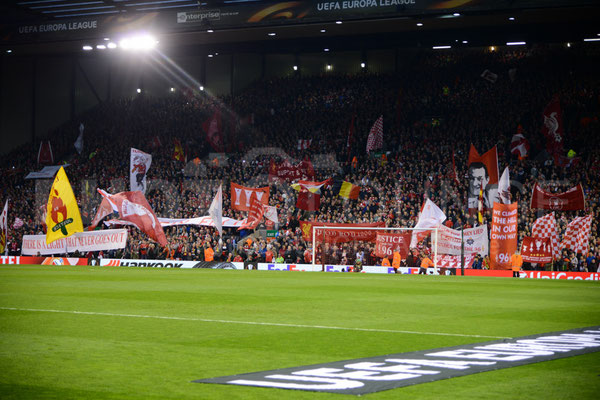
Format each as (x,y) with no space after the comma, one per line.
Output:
(571,200)
(198,221)
(387,243)
(285,171)
(536,250)
(339,235)
(503,243)
(475,239)
(240,196)
(83,242)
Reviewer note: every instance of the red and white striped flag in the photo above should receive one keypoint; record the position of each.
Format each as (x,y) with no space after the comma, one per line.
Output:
(545,227)
(577,237)
(375,139)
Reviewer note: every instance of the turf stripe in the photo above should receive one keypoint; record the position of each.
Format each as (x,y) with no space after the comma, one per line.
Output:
(222,321)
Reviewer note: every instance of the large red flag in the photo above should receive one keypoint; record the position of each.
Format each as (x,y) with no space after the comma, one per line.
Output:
(214,131)
(489,159)
(553,126)
(241,195)
(133,207)
(577,236)
(571,200)
(308,200)
(255,214)
(45,155)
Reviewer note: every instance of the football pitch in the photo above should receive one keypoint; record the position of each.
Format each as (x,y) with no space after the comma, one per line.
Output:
(134,333)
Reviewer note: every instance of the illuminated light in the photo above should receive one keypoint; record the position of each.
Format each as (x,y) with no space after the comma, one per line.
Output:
(87,48)
(141,42)
(106,39)
(325,49)
(271,33)
(210,56)
(9,51)
(111,45)
(568,44)
(362,65)
(511,18)
(295,67)
(456,14)
(328,67)
(209,31)
(172,89)
(492,48)
(201,87)
(419,24)
(139,90)
(101,47)
(323,30)
(338,22)
(591,40)
(515,43)
(441,47)
(465,41)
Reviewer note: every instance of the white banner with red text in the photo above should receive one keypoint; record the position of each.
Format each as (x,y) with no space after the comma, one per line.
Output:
(475,240)
(83,242)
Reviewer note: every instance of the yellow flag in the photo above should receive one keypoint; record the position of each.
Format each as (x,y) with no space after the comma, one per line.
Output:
(62,212)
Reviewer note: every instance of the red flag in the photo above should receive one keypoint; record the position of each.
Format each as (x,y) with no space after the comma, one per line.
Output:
(133,207)
(553,126)
(255,214)
(45,155)
(307,200)
(454,172)
(104,209)
(577,236)
(241,196)
(375,139)
(214,131)
(536,250)
(489,159)
(178,153)
(571,200)
(545,227)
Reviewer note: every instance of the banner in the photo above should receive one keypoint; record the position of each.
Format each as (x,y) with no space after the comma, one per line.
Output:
(387,243)
(288,172)
(503,243)
(47,172)
(340,235)
(240,196)
(483,175)
(449,261)
(133,207)
(475,240)
(536,250)
(62,212)
(138,168)
(545,227)
(571,200)
(553,126)
(198,221)
(83,242)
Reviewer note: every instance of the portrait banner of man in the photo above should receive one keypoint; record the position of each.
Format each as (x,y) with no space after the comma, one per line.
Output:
(483,175)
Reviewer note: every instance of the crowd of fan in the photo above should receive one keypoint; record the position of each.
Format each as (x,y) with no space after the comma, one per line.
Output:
(436,105)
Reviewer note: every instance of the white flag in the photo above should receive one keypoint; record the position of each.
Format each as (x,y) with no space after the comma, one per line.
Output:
(504,187)
(216,210)
(138,168)
(4,229)
(79,142)
(430,217)
(271,214)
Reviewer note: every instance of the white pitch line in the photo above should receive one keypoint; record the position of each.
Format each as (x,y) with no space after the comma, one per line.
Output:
(223,321)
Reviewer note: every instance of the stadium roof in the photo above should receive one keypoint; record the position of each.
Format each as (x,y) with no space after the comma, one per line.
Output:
(479,23)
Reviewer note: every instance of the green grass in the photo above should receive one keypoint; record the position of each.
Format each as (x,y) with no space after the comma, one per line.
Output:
(83,356)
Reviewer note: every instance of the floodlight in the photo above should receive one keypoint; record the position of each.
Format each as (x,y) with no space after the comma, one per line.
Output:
(87,48)
(140,42)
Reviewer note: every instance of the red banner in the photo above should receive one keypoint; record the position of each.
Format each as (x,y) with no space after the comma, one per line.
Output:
(571,200)
(339,235)
(553,126)
(22,260)
(287,172)
(257,210)
(387,243)
(536,250)
(503,243)
(240,196)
